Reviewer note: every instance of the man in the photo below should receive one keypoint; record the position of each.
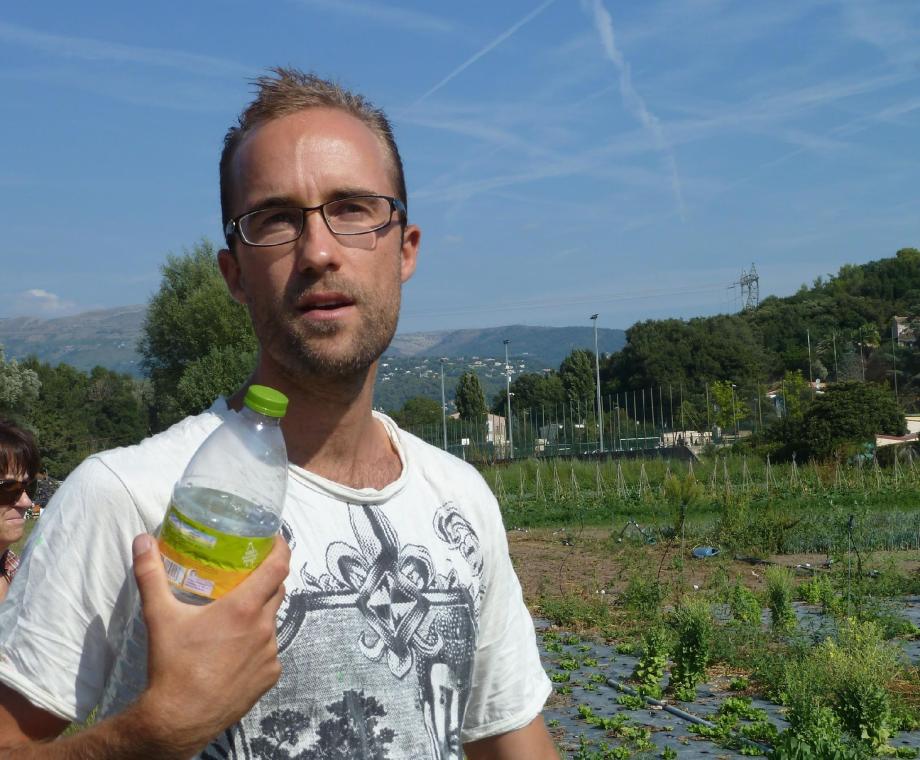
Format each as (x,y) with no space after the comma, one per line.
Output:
(401,632)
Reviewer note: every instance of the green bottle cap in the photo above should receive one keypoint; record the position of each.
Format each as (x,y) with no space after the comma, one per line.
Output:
(265,400)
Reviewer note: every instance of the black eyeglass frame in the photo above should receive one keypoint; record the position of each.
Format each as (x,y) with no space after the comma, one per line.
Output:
(8,497)
(232,227)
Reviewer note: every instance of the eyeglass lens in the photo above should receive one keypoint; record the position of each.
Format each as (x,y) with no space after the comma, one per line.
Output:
(347,216)
(11,490)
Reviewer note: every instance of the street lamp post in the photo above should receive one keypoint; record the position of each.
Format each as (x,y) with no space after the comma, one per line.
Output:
(508,397)
(443,405)
(734,412)
(597,369)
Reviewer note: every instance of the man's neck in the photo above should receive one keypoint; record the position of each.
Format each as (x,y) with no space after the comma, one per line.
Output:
(329,428)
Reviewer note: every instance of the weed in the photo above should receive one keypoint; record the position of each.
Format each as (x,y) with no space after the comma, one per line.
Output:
(643,596)
(738,684)
(651,666)
(692,622)
(744,606)
(575,610)
(839,688)
(779,598)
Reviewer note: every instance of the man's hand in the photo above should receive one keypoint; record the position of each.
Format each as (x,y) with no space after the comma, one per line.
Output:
(207,665)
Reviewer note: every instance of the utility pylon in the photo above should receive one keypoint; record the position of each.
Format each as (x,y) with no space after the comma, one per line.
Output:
(749,283)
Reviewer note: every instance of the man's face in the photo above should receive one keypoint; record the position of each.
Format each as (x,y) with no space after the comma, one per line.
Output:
(325,305)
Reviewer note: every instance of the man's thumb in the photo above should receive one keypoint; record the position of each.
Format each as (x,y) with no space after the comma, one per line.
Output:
(149,574)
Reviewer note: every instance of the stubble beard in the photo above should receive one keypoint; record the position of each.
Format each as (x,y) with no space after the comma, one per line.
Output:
(315,350)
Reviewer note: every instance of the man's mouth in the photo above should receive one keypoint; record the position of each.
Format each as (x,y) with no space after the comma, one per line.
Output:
(325,305)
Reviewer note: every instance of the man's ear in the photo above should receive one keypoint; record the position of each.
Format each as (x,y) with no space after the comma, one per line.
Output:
(230,269)
(411,238)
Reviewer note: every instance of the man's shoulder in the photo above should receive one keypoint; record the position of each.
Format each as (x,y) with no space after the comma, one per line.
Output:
(175,444)
(432,458)
(143,473)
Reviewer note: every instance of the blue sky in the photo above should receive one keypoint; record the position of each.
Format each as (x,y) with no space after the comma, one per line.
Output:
(564,157)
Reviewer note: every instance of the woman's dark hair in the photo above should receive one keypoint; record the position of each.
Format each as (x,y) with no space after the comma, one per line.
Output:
(18,452)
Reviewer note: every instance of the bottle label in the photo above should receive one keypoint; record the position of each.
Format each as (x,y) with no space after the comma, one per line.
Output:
(204,561)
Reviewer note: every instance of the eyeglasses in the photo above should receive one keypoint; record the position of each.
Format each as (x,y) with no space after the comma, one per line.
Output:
(11,490)
(355,215)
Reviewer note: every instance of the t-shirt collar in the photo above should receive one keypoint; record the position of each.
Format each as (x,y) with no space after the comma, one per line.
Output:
(336,490)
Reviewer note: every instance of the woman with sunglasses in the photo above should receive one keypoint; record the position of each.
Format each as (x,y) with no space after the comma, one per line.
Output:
(19,465)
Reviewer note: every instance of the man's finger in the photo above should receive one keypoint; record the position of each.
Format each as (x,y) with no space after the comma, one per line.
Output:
(150,576)
(264,581)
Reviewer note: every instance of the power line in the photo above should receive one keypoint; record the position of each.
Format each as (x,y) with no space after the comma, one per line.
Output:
(581,300)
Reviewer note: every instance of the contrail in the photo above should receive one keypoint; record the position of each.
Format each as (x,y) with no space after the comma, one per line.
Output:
(487,49)
(633,102)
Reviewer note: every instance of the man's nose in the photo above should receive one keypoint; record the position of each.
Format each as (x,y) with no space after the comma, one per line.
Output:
(317,248)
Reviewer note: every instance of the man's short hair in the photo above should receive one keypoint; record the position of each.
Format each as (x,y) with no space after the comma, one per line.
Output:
(290,90)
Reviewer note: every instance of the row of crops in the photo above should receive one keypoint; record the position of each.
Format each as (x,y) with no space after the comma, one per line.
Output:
(743,502)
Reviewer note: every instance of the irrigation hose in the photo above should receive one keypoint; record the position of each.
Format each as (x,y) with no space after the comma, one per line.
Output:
(684,715)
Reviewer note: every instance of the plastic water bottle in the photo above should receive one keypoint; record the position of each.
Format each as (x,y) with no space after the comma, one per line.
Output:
(226,507)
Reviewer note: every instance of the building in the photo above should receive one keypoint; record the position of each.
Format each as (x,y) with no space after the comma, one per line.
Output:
(903,330)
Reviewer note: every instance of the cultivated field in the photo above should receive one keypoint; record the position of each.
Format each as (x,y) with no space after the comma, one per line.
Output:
(798,636)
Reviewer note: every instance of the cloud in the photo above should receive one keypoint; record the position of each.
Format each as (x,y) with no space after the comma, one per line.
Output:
(36,302)
(886,27)
(88,49)
(633,102)
(487,49)
(401,18)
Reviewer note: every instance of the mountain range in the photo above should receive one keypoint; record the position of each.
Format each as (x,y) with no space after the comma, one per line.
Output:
(109,338)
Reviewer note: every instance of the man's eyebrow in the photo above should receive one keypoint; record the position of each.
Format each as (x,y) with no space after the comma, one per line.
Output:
(349,192)
(275,201)
(286,201)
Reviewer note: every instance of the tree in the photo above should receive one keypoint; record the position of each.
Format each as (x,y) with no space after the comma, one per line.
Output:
(469,398)
(532,391)
(797,395)
(577,374)
(846,415)
(418,411)
(730,409)
(77,414)
(193,325)
(19,388)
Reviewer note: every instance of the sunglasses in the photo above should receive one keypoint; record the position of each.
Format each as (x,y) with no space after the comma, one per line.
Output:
(11,490)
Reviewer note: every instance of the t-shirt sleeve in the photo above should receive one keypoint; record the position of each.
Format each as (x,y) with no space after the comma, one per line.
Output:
(69,603)
(509,685)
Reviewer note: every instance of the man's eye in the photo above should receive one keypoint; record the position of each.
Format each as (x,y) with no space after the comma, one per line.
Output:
(353,208)
(282,217)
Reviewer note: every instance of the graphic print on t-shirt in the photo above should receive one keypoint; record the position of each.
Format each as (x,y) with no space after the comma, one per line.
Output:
(376,652)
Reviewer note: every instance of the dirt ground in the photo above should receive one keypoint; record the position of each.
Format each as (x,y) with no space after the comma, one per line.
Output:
(588,561)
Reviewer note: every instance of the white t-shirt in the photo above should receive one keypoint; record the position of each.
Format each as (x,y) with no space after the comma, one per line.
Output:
(403,631)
